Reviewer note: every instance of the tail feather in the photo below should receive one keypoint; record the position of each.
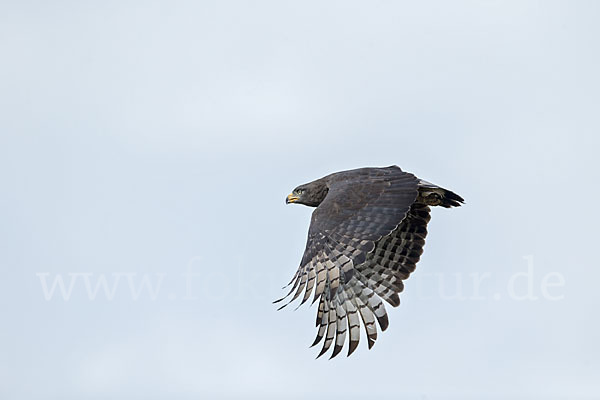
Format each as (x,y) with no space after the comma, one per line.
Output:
(433,195)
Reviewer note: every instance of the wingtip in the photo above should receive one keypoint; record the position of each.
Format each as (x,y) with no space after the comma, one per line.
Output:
(321,353)
(336,350)
(370,343)
(316,341)
(302,302)
(384,322)
(352,346)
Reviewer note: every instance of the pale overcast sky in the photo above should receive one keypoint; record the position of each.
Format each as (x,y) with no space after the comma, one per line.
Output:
(147,142)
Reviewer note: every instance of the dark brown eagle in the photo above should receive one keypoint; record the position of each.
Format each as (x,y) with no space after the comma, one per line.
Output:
(365,238)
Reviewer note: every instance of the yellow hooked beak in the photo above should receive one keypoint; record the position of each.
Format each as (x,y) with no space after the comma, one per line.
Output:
(291,198)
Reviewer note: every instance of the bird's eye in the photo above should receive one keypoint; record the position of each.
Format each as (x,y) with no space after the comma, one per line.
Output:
(300,191)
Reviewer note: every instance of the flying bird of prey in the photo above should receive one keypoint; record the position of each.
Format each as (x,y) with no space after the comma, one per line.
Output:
(365,238)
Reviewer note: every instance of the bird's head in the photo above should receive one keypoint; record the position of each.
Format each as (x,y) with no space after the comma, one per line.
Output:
(309,194)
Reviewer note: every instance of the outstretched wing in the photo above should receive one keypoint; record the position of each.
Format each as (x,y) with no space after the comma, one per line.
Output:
(361,207)
(380,277)
(396,256)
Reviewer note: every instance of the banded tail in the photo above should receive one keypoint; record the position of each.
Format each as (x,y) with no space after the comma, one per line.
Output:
(433,195)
